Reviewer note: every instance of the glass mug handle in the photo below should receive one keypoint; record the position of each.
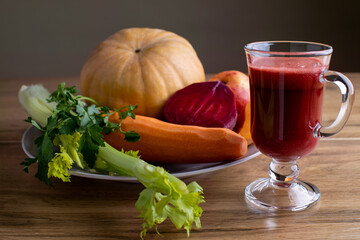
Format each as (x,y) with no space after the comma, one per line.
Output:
(348,93)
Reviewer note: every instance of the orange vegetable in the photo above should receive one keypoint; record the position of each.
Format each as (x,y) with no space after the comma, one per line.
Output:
(172,143)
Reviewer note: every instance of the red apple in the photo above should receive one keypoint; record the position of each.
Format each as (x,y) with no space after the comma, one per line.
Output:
(238,82)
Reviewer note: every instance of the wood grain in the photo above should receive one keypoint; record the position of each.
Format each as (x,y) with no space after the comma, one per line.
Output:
(99,209)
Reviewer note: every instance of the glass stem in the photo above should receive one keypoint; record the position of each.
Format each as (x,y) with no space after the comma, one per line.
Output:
(283,174)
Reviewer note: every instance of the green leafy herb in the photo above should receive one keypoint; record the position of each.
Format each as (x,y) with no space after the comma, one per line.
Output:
(71,115)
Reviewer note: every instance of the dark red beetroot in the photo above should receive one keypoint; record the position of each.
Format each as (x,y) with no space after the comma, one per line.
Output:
(206,104)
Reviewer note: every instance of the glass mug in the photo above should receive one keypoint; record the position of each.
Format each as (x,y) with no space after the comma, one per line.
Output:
(287,81)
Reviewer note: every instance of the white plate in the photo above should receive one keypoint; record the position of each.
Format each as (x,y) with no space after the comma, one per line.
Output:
(178,170)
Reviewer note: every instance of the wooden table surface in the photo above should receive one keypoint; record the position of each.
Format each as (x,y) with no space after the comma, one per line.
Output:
(101,209)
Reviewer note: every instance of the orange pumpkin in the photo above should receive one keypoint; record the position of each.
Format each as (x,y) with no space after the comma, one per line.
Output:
(140,66)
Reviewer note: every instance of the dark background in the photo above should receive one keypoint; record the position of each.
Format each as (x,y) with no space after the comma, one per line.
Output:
(43,38)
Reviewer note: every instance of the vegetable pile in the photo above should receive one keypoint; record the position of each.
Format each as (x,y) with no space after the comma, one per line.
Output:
(72,133)
(181,119)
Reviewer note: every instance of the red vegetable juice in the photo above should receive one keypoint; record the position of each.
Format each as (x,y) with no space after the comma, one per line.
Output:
(287,97)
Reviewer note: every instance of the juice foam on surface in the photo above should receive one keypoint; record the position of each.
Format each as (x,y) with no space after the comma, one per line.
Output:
(290,73)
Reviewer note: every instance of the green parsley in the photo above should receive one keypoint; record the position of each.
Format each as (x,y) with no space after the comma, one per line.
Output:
(72,115)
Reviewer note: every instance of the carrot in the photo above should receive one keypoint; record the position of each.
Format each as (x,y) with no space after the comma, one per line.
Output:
(172,143)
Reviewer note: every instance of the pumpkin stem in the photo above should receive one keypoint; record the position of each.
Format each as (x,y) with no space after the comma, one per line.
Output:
(137,50)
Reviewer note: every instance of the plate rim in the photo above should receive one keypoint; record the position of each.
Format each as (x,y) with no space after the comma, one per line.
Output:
(84,173)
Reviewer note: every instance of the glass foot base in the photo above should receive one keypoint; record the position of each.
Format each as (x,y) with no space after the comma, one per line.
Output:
(264,194)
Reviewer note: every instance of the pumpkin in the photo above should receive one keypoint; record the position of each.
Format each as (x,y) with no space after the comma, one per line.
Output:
(142,66)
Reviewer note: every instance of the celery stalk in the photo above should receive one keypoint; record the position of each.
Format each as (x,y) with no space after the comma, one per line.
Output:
(164,196)
(33,100)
